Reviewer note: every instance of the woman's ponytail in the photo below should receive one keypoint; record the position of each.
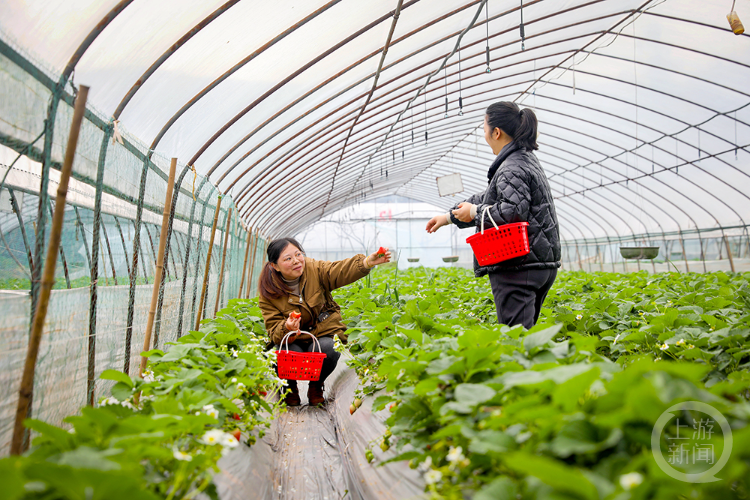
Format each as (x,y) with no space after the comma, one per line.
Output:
(520,124)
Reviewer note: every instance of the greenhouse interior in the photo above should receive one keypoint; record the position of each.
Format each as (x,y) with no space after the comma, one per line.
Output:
(172,172)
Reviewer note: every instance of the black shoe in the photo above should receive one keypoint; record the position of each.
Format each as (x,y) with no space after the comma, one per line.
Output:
(315,393)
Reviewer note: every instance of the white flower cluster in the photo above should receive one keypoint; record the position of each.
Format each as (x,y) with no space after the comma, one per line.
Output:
(224,439)
(431,476)
(234,352)
(148,376)
(210,411)
(114,401)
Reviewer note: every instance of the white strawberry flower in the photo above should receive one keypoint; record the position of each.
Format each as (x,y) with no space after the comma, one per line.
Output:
(579,317)
(109,401)
(630,481)
(680,342)
(182,456)
(433,476)
(426,465)
(664,346)
(213,437)
(455,455)
(229,441)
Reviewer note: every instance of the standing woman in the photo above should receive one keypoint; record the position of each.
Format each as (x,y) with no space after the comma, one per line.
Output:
(295,294)
(518,191)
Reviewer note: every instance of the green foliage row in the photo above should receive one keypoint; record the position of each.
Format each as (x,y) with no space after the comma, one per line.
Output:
(160,435)
(562,411)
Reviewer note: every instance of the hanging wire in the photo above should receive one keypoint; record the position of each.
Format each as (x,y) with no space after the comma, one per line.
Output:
(412,125)
(460,99)
(425,117)
(487,23)
(402,141)
(735,135)
(523,33)
(445,86)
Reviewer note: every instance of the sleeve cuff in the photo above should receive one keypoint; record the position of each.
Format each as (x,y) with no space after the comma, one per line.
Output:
(448,218)
(473,211)
(361,264)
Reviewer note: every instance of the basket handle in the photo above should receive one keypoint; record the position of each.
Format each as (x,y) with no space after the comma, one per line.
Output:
(286,339)
(485,211)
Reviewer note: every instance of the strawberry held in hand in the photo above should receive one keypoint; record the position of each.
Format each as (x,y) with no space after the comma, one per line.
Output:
(381,252)
(295,315)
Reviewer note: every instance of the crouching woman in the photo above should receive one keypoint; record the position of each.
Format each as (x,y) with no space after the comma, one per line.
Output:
(295,294)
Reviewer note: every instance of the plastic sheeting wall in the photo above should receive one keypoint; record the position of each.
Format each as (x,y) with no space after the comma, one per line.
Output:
(98,323)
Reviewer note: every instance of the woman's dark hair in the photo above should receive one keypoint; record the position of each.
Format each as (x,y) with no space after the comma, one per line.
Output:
(520,124)
(271,285)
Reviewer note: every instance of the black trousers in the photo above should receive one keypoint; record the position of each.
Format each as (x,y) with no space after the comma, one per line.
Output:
(519,295)
(326,346)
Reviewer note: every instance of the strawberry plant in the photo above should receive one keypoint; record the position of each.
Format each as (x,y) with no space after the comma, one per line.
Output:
(159,436)
(566,409)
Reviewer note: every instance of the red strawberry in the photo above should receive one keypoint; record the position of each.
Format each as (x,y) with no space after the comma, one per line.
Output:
(237,434)
(236,416)
(381,252)
(295,315)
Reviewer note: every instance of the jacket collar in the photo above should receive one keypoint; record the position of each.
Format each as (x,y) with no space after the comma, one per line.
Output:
(504,153)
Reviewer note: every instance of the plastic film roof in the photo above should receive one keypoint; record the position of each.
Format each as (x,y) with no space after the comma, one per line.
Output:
(644,106)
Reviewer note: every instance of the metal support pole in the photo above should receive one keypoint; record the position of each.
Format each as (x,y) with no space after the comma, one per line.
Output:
(684,254)
(186,268)
(17,210)
(252,265)
(124,248)
(244,265)
(208,264)
(729,253)
(62,252)
(109,251)
(48,279)
(223,260)
(198,257)
(159,263)
(83,236)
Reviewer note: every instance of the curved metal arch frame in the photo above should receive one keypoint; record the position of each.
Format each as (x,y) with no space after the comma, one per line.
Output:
(626,35)
(510,43)
(423,65)
(609,169)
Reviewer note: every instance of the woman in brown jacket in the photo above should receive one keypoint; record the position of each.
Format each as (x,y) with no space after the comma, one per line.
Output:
(295,294)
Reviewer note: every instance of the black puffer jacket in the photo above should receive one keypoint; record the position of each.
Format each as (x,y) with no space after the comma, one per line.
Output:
(518,191)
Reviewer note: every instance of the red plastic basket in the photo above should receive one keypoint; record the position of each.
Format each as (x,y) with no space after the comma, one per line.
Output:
(499,243)
(299,365)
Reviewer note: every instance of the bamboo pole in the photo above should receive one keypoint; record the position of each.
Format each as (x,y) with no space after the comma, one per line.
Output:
(252,265)
(48,278)
(204,287)
(223,259)
(159,262)
(244,266)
